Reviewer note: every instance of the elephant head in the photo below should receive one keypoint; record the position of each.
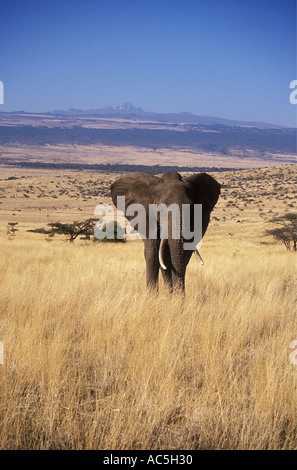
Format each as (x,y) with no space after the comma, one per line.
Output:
(168,254)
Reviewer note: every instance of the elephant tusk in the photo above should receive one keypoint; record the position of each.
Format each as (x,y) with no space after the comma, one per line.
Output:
(161,252)
(199,256)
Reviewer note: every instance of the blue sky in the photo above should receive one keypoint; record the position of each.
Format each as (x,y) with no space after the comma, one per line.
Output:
(232,59)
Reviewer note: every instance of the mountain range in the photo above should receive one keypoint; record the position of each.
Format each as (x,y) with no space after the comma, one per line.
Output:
(128,111)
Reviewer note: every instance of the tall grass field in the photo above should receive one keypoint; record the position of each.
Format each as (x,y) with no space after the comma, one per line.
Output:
(92,361)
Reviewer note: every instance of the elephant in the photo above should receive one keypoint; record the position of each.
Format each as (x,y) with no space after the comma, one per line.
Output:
(168,254)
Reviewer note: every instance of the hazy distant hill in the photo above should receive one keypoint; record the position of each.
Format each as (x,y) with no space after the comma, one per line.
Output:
(129,111)
(126,127)
(202,138)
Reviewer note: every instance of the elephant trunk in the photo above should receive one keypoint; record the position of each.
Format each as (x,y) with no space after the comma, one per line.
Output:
(176,248)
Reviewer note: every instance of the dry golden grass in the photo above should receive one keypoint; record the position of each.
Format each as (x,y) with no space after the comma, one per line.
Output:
(93,362)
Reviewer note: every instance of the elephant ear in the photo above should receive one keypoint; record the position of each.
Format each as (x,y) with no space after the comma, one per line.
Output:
(137,187)
(204,189)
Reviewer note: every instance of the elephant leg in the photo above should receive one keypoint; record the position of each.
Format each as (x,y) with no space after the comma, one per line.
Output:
(151,253)
(167,277)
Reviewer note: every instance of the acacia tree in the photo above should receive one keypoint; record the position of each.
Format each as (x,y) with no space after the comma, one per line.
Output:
(72,230)
(84,228)
(285,230)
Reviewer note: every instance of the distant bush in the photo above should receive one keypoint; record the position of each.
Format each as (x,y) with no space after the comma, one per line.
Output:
(11,229)
(115,231)
(39,230)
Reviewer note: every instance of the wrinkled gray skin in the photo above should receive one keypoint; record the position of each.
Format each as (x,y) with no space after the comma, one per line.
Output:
(169,188)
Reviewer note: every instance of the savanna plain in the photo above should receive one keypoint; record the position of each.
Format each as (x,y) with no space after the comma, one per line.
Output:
(92,361)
